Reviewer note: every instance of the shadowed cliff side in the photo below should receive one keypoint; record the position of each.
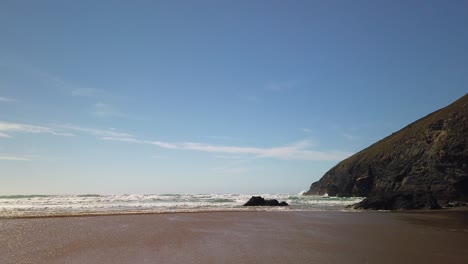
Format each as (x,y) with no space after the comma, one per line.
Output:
(420,166)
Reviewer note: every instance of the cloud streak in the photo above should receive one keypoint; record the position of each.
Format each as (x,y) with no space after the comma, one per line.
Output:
(165,145)
(14,158)
(7,128)
(113,135)
(100,133)
(297,151)
(301,150)
(3,135)
(7,99)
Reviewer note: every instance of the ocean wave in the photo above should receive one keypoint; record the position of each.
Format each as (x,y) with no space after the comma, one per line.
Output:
(43,205)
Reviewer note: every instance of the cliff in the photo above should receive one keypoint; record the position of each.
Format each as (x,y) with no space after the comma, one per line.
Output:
(420,166)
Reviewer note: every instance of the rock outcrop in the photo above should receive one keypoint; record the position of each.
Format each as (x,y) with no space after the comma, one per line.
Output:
(260,201)
(421,166)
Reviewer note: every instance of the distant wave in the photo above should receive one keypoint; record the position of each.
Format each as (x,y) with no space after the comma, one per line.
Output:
(24,196)
(89,195)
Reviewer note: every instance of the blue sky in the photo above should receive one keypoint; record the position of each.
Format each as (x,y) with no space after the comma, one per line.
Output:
(214,96)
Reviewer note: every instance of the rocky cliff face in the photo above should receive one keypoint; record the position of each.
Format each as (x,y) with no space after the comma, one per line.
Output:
(420,166)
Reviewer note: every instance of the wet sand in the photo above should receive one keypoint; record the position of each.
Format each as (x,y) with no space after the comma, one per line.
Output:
(239,237)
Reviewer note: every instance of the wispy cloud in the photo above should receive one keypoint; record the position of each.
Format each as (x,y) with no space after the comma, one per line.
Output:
(51,81)
(301,150)
(165,145)
(66,87)
(62,85)
(14,158)
(297,151)
(219,148)
(99,109)
(6,128)
(99,132)
(3,135)
(306,130)
(7,99)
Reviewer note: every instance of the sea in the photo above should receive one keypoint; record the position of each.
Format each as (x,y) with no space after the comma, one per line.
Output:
(13,206)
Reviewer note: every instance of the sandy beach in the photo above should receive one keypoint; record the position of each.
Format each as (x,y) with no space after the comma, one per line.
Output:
(239,237)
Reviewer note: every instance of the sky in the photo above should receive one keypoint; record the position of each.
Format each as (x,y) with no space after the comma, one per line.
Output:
(253,96)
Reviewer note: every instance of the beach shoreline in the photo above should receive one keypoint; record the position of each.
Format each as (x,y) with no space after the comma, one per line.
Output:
(233,210)
(239,237)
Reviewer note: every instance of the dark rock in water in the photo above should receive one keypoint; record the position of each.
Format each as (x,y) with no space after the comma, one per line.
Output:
(260,201)
(332,190)
(399,201)
(363,185)
(421,166)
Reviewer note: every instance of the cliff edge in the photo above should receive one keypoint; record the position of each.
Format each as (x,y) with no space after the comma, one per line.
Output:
(423,165)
